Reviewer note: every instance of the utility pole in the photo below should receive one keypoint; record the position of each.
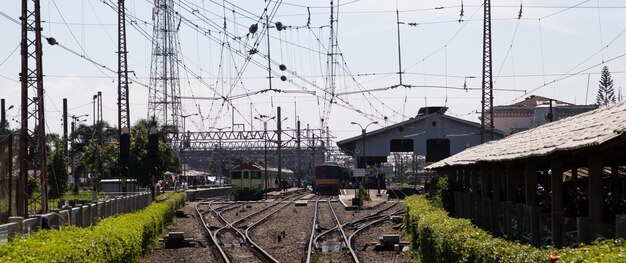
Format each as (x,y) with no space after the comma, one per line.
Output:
(31,78)
(487,85)
(98,125)
(65,148)
(123,110)
(280,161)
(399,45)
(9,149)
(3,115)
(298,154)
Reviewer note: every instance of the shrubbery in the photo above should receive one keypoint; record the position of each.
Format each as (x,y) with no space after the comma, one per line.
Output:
(436,237)
(123,238)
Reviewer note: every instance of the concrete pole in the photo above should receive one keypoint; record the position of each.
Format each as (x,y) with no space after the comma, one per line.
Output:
(278,147)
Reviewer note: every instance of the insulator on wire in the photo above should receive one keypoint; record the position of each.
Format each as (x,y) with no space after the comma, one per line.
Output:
(283,78)
(282,67)
(279,26)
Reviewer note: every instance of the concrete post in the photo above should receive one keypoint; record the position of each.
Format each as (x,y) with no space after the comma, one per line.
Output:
(557,203)
(86,215)
(76,218)
(19,221)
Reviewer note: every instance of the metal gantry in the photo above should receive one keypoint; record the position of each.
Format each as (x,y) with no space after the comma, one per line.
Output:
(246,140)
(164,100)
(32,155)
(487,85)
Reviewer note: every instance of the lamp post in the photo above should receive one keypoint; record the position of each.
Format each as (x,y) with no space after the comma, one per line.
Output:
(185,138)
(265,119)
(363,133)
(219,138)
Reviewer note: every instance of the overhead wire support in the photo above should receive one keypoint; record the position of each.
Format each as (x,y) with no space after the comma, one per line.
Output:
(123,110)
(32,108)
(164,85)
(399,45)
(330,63)
(487,129)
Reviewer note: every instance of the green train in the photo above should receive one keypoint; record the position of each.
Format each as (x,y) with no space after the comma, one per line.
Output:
(248,181)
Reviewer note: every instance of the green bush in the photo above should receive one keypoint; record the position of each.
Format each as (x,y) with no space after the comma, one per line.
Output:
(599,251)
(123,238)
(436,237)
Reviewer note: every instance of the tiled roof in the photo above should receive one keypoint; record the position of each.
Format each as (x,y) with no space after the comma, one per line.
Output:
(584,130)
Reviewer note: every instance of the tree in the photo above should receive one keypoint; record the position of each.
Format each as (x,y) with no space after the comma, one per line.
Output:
(606,95)
(139,161)
(82,137)
(56,167)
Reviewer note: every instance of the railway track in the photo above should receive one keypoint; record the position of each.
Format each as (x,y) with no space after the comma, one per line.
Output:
(328,241)
(382,221)
(227,225)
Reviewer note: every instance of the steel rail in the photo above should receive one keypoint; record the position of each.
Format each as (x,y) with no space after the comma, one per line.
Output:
(343,234)
(254,245)
(211,238)
(312,238)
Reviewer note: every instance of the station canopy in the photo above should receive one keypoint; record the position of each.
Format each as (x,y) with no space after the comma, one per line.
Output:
(599,127)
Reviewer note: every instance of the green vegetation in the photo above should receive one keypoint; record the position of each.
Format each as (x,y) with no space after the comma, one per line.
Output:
(123,238)
(56,168)
(436,237)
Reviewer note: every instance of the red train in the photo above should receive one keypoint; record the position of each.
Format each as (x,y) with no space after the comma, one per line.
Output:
(329,178)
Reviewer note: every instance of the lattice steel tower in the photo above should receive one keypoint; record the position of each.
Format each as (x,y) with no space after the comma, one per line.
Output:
(164,98)
(123,109)
(32,139)
(487,99)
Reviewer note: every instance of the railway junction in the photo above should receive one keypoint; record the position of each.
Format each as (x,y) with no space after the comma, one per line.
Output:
(290,226)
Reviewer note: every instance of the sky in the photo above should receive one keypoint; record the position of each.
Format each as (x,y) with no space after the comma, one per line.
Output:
(555,49)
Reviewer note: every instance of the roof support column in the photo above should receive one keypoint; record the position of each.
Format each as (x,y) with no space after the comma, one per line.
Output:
(557,203)
(511,191)
(485,209)
(616,185)
(530,173)
(496,206)
(484,182)
(473,173)
(466,180)
(533,212)
(511,183)
(596,205)
(496,182)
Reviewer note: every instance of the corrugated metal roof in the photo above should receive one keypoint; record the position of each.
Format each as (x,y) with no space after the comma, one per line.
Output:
(416,119)
(580,131)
